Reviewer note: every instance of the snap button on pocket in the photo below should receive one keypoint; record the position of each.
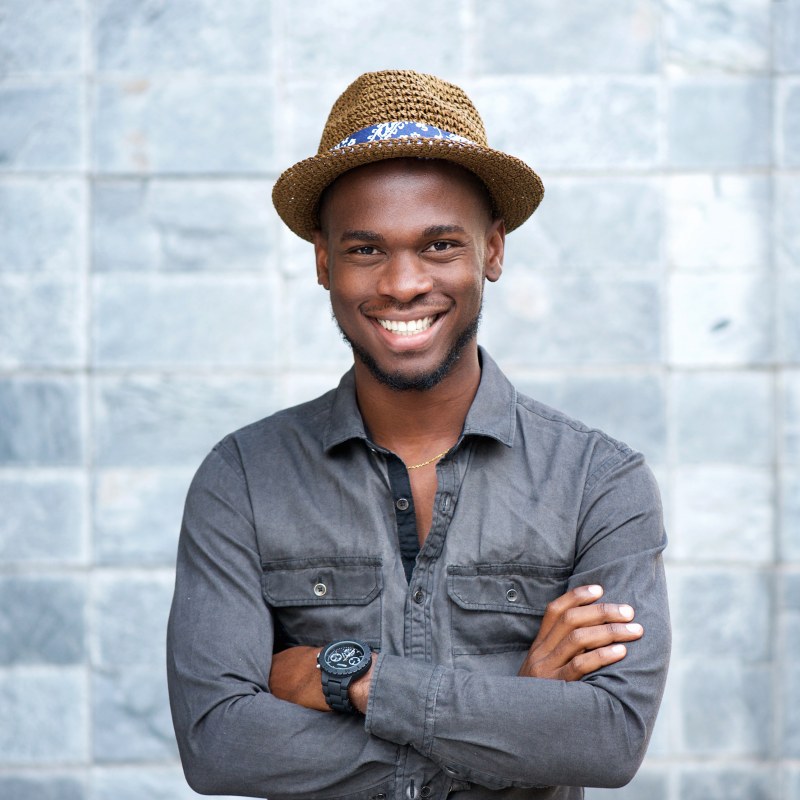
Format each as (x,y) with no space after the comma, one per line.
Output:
(425,791)
(511,595)
(320,589)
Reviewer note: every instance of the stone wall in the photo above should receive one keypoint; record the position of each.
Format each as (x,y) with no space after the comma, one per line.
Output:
(150,301)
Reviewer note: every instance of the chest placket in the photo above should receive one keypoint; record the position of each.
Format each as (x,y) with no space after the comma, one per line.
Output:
(424,609)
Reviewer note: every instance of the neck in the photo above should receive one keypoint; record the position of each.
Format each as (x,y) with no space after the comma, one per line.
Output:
(419,424)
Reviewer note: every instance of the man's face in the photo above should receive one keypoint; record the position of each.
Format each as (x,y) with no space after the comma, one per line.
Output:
(404,249)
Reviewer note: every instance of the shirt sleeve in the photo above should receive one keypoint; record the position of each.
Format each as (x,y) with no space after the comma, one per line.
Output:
(235,737)
(509,731)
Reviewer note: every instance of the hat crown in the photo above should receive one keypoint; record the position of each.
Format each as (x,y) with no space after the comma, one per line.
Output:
(401,96)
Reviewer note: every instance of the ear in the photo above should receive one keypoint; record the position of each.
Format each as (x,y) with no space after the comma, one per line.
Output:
(321,258)
(495,250)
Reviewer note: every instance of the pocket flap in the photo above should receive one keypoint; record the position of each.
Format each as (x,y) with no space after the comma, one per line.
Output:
(352,581)
(511,588)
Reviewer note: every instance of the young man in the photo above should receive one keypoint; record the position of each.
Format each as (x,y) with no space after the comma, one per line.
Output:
(420,551)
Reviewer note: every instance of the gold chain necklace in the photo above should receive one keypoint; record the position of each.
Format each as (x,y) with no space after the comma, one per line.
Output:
(430,460)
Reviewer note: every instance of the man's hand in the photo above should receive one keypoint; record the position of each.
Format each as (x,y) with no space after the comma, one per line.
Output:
(294,677)
(578,636)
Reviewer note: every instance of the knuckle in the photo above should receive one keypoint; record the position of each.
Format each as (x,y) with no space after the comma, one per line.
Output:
(577,636)
(570,616)
(553,607)
(617,629)
(582,664)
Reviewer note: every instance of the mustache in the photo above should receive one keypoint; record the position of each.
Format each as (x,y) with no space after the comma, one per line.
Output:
(412,306)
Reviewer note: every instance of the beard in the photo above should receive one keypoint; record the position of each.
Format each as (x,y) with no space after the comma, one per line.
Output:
(422,381)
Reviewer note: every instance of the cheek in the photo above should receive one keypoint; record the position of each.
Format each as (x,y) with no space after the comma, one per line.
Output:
(345,305)
(472,288)
(345,293)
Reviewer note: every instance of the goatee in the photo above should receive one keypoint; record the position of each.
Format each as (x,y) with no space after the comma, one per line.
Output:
(423,381)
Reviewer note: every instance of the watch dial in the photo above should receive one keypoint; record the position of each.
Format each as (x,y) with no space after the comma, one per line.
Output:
(344,656)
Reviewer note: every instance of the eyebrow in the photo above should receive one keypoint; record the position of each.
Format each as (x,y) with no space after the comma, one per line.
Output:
(372,236)
(361,236)
(438,230)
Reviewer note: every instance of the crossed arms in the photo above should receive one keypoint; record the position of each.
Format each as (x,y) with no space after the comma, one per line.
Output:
(574,640)
(579,713)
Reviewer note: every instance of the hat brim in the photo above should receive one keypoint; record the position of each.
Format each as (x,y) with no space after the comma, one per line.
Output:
(515,188)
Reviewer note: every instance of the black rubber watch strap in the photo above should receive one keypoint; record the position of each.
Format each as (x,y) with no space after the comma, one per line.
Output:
(334,688)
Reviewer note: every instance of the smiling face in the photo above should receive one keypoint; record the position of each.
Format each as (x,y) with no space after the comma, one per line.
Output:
(404,249)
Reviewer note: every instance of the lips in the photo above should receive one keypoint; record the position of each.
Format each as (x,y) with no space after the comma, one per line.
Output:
(407,327)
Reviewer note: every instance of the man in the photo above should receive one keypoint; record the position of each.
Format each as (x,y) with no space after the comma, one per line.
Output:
(391,591)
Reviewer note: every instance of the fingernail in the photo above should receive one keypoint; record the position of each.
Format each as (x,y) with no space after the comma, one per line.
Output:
(618,649)
(634,627)
(626,611)
(595,590)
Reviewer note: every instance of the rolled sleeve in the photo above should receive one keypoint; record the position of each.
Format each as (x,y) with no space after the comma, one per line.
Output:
(402,701)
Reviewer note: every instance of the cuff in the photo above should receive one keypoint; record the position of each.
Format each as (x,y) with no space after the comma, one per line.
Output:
(402,701)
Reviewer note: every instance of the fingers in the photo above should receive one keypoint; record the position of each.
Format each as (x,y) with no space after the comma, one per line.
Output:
(591,661)
(597,636)
(577,609)
(579,596)
(578,635)
(582,651)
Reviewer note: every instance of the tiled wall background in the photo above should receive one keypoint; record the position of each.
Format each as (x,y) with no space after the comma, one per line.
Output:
(150,301)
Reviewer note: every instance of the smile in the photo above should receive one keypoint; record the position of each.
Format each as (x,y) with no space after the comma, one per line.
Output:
(409,328)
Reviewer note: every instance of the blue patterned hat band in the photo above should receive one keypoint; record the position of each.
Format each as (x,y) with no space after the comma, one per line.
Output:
(399,130)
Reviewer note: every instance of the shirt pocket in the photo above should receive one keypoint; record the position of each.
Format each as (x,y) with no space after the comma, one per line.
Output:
(318,600)
(498,608)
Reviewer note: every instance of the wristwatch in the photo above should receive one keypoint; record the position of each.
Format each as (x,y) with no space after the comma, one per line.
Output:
(340,663)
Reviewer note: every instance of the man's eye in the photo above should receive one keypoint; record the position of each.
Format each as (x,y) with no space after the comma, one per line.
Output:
(366,250)
(441,247)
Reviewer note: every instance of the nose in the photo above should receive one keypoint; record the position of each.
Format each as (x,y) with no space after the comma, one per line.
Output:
(404,277)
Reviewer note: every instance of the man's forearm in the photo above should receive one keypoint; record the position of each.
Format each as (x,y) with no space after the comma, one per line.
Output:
(294,677)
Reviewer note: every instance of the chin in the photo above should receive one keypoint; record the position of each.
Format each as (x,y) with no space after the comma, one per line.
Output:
(409,381)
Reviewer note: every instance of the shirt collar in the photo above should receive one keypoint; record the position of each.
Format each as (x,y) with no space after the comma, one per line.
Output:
(492,412)
(344,420)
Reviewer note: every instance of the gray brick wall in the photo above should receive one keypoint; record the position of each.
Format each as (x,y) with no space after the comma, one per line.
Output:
(150,301)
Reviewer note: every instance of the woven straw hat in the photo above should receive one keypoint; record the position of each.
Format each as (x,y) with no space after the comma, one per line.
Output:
(402,114)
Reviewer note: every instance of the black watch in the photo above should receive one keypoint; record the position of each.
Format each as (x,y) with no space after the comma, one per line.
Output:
(339,664)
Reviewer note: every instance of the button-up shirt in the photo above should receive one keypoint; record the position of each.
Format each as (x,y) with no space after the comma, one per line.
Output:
(293,534)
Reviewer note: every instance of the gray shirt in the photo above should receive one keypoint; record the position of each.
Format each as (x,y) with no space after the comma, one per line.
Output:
(290,536)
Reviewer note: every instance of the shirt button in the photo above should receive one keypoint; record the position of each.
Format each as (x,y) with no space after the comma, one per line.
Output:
(402,503)
(419,596)
(511,595)
(425,791)
(320,589)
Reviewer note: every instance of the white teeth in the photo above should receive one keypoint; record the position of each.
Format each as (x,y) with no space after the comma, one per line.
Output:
(407,328)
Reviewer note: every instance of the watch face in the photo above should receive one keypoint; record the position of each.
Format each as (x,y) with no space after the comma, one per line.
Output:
(344,658)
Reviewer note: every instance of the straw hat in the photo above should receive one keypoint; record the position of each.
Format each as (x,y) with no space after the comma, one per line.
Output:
(402,114)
